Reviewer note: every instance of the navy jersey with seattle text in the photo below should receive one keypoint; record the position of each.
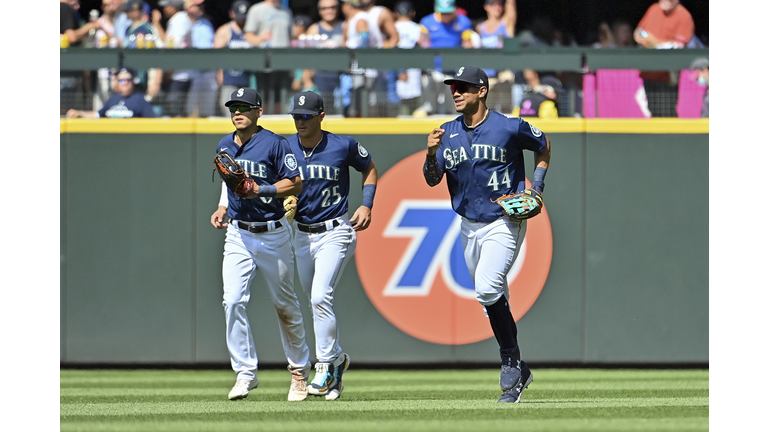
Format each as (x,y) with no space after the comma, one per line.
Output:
(486,162)
(267,159)
(325,175)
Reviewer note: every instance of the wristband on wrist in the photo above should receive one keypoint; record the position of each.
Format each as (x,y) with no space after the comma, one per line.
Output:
(267,190)
(538,179)
(369,191)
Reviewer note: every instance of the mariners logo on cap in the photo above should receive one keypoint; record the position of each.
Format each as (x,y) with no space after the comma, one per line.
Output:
(301,100)
(461,71)
(240,92)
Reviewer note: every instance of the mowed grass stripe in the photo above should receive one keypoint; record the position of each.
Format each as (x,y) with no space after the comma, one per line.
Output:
(397,425)
(575,378)
(319,404)
(387,400)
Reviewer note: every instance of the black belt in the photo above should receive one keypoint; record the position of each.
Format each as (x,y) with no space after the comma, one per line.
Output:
(316,228)
(257,229)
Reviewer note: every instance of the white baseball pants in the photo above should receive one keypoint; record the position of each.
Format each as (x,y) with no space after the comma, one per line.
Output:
(269,254)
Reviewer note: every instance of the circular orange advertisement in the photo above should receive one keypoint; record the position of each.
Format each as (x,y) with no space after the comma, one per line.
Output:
(411,263)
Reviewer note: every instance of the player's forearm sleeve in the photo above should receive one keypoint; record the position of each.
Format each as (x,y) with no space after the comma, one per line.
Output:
(432,171)
(223,199)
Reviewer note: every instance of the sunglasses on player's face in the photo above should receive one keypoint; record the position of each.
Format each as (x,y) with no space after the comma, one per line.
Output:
(241,108)
(304,117)
(462,87)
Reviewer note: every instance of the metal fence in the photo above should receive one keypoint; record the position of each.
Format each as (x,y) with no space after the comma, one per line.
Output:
(84,86)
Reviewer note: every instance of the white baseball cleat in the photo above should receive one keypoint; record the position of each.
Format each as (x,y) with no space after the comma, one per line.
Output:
(242,388)
(298,390)
(324,379)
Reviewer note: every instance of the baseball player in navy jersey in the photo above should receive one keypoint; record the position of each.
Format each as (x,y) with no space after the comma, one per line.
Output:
(480,153)
(325,236)
(258,240)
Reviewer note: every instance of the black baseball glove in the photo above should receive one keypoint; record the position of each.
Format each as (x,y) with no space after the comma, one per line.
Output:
(233,174)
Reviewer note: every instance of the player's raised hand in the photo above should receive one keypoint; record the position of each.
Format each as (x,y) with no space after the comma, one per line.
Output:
(433,140)
(219,217)
(361,219)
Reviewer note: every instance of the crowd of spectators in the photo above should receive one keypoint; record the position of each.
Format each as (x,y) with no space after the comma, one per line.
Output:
(180,24)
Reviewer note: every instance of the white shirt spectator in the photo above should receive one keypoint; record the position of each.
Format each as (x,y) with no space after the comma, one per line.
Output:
(409,32)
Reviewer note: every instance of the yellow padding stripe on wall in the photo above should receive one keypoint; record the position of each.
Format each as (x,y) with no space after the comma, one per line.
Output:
(376,126)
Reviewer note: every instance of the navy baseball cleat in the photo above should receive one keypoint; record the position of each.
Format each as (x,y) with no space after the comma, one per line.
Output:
(510,377)
(340,366)
(513,395)
(324,379)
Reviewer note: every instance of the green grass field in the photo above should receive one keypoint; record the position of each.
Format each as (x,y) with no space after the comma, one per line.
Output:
(387,400)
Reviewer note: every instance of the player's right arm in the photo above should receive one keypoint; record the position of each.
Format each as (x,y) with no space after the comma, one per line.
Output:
(433,173)
(288,186)
(219,217)
(281,189)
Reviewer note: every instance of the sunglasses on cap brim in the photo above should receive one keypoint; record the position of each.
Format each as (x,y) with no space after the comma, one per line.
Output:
(241,108)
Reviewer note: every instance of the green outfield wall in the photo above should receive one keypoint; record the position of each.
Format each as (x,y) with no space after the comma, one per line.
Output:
(141,263)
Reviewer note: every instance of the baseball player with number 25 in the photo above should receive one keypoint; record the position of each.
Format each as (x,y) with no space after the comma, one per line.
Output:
(259,240)
(481,154)
(324,237)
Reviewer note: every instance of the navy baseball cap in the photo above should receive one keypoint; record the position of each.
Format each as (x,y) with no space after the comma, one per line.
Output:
(126,70)
(245,95)
(471,75)
(552,81)
(302,20)
(240,9)
(307,102)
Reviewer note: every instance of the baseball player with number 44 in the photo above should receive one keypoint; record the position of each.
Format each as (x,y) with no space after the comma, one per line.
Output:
(324,238)
(481,155)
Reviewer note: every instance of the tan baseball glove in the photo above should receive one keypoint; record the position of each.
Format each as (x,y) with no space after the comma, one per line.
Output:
(290,203)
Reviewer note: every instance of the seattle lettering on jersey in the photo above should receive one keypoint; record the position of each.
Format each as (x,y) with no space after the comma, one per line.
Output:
(322,172)
(453,157)
(253,169)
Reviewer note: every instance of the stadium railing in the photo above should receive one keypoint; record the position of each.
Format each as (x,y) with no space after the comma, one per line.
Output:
(573,65)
